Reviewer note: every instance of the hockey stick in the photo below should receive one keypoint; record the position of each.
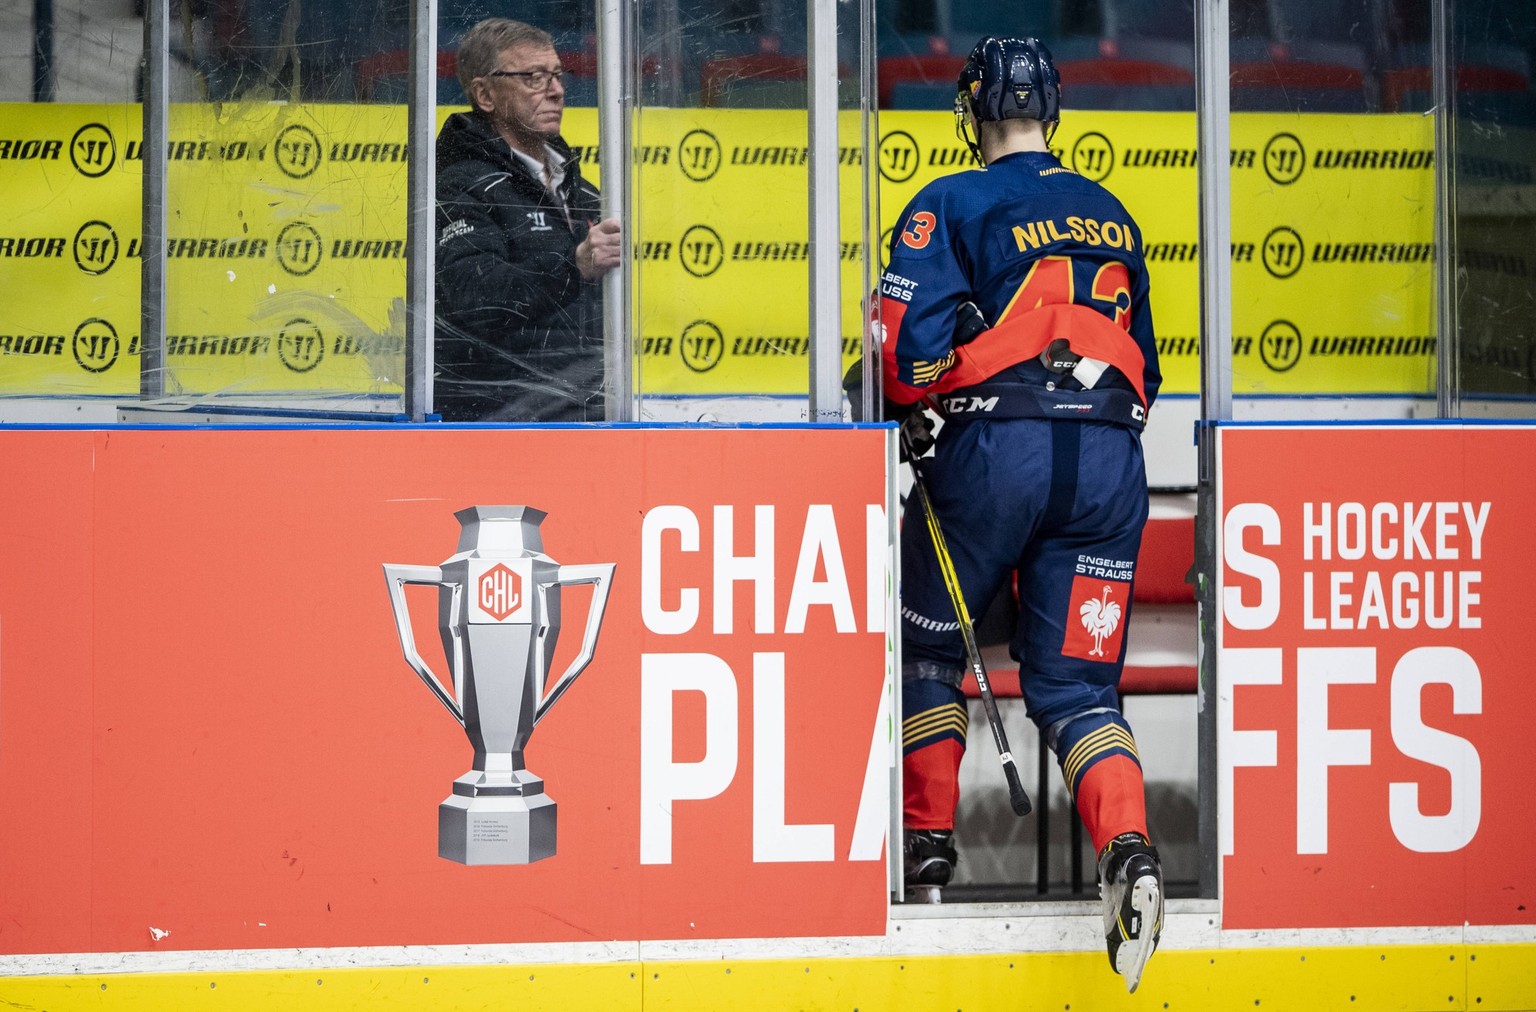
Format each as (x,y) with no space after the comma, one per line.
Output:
(1016,796)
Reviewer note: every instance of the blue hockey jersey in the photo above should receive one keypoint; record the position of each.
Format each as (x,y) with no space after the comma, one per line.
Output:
(1043,253)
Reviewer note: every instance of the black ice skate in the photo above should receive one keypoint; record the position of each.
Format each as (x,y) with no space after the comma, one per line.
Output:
(928,860)
(1131,886)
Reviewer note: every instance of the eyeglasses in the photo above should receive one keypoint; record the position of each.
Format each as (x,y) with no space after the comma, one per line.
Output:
(533,80)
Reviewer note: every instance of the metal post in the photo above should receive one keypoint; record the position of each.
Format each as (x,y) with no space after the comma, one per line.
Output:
(1448,347)
(42,50)
(421,212)
(825,260)
(614,101)
(870,395)
(1214,124)
(156,113)
(1214,120)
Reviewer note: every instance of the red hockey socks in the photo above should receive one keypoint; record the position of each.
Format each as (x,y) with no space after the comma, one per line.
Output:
(1102,771)
(933,726)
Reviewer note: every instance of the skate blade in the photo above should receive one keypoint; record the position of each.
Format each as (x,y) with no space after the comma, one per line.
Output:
(924,894)
(1132,956)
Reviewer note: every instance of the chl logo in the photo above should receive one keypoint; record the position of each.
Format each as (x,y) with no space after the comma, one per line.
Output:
(1093,157)
(1283,252)
(899,156)
(499,592)
(702,251)
(699,155)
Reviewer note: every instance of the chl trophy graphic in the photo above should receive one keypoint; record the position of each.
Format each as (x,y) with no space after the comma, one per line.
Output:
(499,616)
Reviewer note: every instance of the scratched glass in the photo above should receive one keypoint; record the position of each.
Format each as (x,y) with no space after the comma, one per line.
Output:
(286,207)
(1338,303)
(723,239)
(69,148)
(1493,130)
(519,333)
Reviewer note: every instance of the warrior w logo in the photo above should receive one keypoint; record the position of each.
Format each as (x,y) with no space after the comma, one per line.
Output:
(538,222)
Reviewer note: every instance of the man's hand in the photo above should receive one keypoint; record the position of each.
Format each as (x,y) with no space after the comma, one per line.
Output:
(598,253)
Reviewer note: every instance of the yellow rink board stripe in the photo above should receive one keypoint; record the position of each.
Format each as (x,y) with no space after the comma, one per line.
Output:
(1398,977)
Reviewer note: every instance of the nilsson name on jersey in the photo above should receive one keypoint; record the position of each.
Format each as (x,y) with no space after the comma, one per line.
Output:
(1089,231)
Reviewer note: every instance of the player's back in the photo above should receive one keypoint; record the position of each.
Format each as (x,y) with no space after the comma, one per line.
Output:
(1027,208)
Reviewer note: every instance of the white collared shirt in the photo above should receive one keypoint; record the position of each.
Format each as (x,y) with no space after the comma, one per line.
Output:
(551,170)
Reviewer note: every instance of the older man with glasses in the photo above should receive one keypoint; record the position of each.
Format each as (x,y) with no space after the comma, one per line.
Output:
(521,249)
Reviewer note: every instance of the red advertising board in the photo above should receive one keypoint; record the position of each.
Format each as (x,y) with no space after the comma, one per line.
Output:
(1375,680)
(210,737)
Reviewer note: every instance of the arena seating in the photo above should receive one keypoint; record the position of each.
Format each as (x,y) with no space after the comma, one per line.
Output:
(1489,80)
(1126,74)
(383,77)
(1298,77)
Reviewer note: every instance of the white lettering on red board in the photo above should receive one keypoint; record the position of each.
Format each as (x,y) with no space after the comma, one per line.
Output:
(670,607)
(1338,596)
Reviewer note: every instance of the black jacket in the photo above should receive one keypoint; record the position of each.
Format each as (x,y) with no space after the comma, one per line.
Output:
(519,333)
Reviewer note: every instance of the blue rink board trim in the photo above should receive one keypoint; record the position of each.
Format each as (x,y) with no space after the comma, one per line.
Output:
(332,425)
(1371,423)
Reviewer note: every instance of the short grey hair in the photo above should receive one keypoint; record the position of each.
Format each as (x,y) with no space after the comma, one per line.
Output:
(481,47)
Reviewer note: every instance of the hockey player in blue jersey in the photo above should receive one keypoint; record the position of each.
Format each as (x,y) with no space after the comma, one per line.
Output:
(1016,308)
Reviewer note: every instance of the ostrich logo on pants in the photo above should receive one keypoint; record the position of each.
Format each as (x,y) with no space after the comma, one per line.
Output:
(1095,618)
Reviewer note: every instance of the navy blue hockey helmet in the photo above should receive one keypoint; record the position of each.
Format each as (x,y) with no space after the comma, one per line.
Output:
(1007,79)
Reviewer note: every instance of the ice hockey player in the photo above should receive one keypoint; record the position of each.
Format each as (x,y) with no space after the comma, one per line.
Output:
(1016,308)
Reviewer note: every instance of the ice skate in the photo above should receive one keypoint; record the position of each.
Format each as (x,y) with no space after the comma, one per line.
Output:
(928,861)
(1131,886)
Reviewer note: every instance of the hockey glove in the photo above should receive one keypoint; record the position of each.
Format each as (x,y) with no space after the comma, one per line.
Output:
(916,430)
(916,427)
(853,386)
(969,323)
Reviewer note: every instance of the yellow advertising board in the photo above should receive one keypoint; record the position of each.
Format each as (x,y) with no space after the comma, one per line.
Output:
(1332,236)
(287,226)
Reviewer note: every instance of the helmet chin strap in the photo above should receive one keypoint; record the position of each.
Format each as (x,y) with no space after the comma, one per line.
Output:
(968,129)
(972,138)
(964,131)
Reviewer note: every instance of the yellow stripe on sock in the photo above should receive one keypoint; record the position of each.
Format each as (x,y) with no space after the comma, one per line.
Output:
(934,726)
(909,741)
(951,717)
(1106,739)
(949,711)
